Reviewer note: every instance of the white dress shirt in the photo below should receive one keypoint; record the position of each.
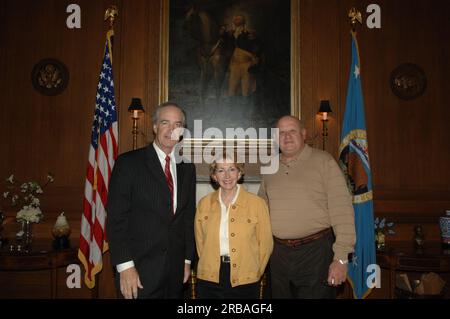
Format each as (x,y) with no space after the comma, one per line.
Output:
(223,230)
(173,170)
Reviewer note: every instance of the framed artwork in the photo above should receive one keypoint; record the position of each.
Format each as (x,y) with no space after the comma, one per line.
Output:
(231,63)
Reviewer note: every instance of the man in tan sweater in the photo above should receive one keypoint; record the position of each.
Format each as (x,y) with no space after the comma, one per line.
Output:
(312,218)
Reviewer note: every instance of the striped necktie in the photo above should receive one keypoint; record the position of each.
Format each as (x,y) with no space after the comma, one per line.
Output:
(169,180)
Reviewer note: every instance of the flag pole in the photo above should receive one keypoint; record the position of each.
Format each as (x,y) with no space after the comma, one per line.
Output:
(355,17)
(110,14)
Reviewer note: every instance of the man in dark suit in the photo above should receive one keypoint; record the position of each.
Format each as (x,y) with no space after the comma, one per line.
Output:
(151,208)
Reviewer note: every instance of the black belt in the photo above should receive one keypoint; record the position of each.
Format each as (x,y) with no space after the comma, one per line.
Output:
(225,259)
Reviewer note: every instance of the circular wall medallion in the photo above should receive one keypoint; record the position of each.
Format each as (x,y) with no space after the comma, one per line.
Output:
(50,77)
(408,81)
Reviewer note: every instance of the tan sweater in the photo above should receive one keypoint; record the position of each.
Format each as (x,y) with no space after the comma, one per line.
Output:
(308,195)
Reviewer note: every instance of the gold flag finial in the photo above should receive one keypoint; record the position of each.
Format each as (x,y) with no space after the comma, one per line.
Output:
(111,13)
(354,16)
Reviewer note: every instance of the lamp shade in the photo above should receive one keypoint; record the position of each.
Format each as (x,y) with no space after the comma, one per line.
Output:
(136,105)
(325,106)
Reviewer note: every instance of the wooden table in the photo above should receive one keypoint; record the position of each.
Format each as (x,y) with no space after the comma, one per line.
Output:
(38,271)
(405,257)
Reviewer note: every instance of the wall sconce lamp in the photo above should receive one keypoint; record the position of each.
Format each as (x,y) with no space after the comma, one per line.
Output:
(135,108)
(324,109)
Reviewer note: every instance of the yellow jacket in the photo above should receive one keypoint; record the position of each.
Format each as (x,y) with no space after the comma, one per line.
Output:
(250,238)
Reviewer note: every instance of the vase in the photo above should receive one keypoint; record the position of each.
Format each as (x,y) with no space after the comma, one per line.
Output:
(444,224)
(380,240)
(61,232)
(27,229)
(2,239)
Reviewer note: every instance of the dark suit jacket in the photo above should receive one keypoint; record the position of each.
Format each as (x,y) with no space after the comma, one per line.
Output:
(141,226)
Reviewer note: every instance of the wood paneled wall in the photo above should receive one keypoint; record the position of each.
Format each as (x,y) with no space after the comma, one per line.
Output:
(408,140)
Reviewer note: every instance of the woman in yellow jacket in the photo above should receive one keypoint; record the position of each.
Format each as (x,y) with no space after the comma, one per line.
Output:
(233,236)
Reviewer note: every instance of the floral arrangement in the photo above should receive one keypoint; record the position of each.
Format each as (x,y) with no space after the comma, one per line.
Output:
(382,228)
(26,195)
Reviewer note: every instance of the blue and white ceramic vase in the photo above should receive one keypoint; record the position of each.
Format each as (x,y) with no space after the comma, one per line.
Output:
(444,224)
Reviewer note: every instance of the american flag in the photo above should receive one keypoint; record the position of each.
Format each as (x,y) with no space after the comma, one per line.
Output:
(102,154)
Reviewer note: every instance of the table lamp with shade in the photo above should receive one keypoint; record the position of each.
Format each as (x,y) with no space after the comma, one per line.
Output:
(324,109)
(136,109)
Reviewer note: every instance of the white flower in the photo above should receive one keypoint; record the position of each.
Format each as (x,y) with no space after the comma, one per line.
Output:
(31,214)
(24,187)
(26,195)
(35,202)
(35,219)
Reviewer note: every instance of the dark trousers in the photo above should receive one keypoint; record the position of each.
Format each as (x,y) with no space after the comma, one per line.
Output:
(302,271)
(223,289)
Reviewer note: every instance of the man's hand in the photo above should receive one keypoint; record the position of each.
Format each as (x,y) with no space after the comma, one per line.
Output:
(187,272)
(129,283)
(337,273)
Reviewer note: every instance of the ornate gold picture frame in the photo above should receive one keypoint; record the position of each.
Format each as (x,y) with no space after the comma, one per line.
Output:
(169,48)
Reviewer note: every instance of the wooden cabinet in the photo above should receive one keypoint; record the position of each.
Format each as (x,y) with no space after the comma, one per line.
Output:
(404,257)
